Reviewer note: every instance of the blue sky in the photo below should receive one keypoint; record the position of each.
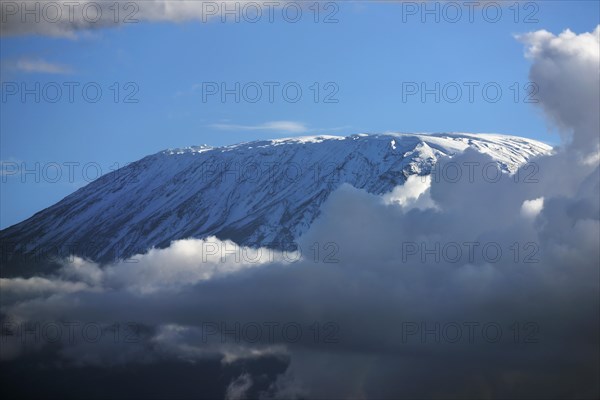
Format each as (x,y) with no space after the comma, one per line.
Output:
(367,57)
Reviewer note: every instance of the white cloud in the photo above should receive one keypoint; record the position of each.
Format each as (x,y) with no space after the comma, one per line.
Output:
(531,208)
(279,126)
(237,389)
(36,286)
(414,193)
(566,68)
(184,263)
(41,66)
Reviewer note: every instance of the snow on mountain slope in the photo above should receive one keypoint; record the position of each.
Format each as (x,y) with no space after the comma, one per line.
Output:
(256,193)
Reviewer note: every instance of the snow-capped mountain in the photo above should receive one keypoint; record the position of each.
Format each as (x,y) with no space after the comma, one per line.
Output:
(256,193)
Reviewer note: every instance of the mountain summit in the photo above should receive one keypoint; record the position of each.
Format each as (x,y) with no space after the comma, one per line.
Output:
(257,193)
